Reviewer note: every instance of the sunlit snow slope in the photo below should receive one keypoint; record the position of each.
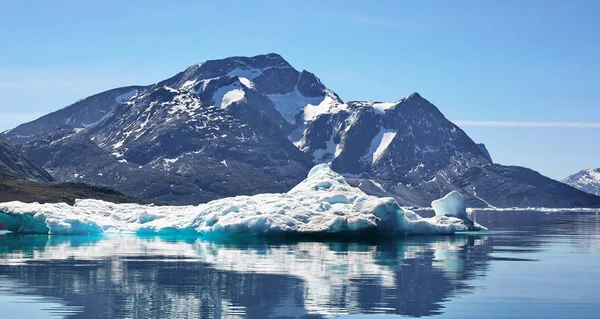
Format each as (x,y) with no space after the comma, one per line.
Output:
(587,180)
(321,204)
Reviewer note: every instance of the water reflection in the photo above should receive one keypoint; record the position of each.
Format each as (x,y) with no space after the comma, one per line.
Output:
(127,276)
(132,277)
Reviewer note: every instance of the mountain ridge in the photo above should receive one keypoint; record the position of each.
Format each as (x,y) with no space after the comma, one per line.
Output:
(244,125)
(21,180)
(587,180)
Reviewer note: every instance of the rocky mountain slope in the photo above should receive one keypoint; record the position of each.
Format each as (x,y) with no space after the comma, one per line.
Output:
(587,180)
(247,125)
(12,162)
(208,132)
(408,147)
(21,180)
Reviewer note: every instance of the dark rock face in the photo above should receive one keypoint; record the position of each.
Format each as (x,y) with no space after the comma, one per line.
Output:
(485,151)
(15,163)
(247,125)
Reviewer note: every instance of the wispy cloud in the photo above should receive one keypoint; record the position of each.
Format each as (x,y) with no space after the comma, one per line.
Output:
(528,124)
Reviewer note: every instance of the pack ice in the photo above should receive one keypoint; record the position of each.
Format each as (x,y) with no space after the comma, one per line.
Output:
(322,204)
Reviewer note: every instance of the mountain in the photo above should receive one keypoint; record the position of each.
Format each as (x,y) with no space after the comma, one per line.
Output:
(22,180)
(248,125)
(408,147)
(13,162)
(409,150)
(15,188)
(217,129)
(587,180)
(514,186)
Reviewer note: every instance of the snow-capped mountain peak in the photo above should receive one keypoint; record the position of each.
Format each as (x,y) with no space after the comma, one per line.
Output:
(587,180)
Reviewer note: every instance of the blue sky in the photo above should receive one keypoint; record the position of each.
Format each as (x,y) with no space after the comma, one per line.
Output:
(521,76)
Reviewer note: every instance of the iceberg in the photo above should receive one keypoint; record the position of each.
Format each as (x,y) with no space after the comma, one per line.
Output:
(322,204)
(453,204)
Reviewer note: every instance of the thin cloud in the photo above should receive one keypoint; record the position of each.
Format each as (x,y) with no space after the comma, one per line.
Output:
(528,124)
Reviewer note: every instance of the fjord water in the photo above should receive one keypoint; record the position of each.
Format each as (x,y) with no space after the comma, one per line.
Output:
(528,265)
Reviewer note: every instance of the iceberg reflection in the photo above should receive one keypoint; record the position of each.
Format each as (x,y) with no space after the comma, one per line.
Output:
(129,276)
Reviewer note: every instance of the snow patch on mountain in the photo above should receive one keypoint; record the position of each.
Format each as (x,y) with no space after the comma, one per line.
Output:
(381,107)
(312,110)
(328,153)
(231,97)
(379,144)
(126,96)
(247,82)
(294,102)
(587,180)
(227,95)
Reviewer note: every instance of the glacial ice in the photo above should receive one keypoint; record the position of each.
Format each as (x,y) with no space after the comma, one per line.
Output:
(453,204)
(322,204)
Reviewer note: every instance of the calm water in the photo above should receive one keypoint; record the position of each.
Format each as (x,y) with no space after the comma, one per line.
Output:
(529,265)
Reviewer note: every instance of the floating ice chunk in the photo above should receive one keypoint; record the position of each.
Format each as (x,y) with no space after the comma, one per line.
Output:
(453,204)
(322,204)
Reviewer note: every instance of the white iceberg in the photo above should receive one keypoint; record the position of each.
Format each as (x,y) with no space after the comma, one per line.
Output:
(453,204)
(322,204)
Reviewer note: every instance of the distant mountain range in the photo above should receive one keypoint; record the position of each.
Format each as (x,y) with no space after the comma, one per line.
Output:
(247,125)
(587,180)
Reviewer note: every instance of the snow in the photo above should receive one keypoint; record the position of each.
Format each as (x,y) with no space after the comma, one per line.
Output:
(377,107)
(126,96)
(379,144)
(118,144)
(312,110)
(327,154)
(189,85)
(381,107)
(292,103)
(247,82)
(228,94)
(321,204)
(595,175)
(232,96)
(168,162)
(587,180)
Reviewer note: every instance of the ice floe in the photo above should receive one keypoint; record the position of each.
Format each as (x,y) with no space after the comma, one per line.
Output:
(322,204)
